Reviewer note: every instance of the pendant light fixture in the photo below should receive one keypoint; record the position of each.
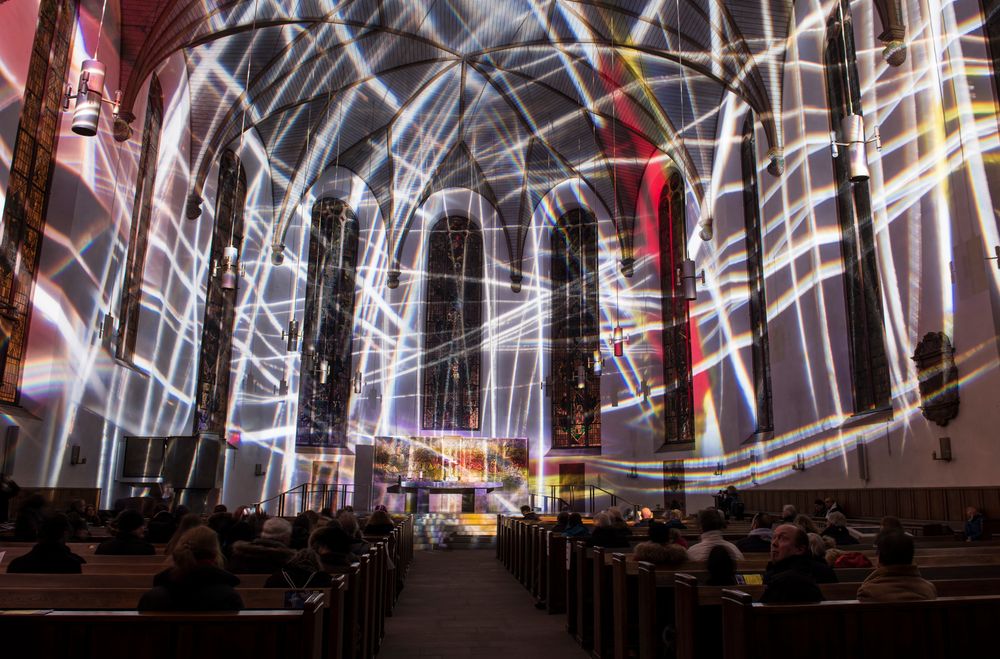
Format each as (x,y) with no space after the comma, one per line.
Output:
(90,91)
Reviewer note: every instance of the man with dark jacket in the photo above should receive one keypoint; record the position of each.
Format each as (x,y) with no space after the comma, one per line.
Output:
(128,540)
(268,553)
(760,536)
(792,575)
(50,555)
(973,524)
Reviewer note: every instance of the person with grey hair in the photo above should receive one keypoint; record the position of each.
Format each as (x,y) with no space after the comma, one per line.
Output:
(711,523)
(788,514)
(605,534)
(268,553)
(836,528)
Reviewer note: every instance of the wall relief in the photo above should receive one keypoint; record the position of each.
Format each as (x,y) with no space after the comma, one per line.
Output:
(938,377)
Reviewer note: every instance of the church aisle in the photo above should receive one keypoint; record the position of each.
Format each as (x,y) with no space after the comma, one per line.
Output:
(465,604)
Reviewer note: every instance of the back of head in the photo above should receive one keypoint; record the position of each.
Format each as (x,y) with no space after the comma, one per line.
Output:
(379,518)
(54,528)
(805,523)
(761,521)
(602,519)
(894,548)
(721,567)
(889,522)
(616,515)
(525,509)
(198,546)
(677,513)
(277,529)
(221,508)
(348,522)
(646,513)
(709,519)
(575,519)
(659,533)
(788,511)
(188,522)
(562,519)
(836,519)
(330,539)
(817,547)
(129,521)
(220,522)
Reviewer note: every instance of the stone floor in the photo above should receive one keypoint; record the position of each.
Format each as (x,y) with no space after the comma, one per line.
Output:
(465,604)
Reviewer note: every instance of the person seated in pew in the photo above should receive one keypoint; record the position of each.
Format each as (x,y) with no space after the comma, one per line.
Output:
(91,516)
(606,535)
(575,527)
(618,521)
(896,579)
(793,574)
(805,523)
(973,524)
(379,523)
(721,567)
(161,527)
(129,529)
(349,522)
(788,514)
(265,555)
(839,558)
(676,538)
(891,523)
(711,524)
(676,519)
(562,519)
(658,549)
(819,544)
(30,515)
(78,531)
(836,528)
(528,513)
(645,517)
(303,570)
(759,538)
(184,524)
(197,580)
(50,555)
(333,546)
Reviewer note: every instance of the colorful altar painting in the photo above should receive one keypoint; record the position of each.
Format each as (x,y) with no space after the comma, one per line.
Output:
(459,460)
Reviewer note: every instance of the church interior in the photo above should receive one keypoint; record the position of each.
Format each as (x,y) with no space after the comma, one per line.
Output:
(455,257)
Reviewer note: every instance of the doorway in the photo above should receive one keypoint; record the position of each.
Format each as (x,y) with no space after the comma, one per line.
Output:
(572,481)
(673,485)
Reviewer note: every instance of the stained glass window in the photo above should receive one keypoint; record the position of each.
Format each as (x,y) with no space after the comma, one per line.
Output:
(328,327)
(865,324)
(574,387)
(759,349)
(26,203)
(453,327)
(678,401)
(220,303)
(142,211)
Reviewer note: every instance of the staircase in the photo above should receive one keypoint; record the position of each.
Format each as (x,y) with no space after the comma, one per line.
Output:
(454,531)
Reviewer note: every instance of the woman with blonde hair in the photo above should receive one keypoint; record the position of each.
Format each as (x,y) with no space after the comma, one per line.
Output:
(197,580)
(187,523)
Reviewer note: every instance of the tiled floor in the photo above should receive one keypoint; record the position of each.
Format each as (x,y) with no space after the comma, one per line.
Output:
(465,604)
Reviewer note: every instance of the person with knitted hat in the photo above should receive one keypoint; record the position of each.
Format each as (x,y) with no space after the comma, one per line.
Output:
(129,528)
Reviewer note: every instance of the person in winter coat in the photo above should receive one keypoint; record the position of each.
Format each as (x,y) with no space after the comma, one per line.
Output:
(793,574)
(197,580)
(303,570)
(265,555)
(896,579)
(128,540)
(50,555)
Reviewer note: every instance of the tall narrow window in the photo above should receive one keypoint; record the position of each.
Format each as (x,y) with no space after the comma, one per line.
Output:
(26,204)
(678,401)
(220,303)
(453,327)
(325,381)
(869,364)
(991,25)
(142,211)
(575,388)
(759,351)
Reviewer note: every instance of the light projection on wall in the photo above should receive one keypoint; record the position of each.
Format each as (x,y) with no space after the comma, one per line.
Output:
(514,118)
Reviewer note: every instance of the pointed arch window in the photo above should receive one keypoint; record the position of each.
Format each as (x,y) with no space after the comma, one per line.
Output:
(325,380)
(220,303)
(575,388)
(453,326)
(759,347)
(26,203)
(678,401)
(142,211)
(991,25)
(865,325)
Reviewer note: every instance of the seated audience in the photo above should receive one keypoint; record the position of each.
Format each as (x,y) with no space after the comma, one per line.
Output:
(973,524)
(528,513)
(333,546)
(793,574)
(832,506)
(185,524)
(805,523)
(818,546)
(161,527)
(303,570)
(349,522)
(836,528)
(30,515)
(645,517)
(658,549)
(721,567)
(562,519)
(605,534)
(302,526)
(197,580)
(379,523)
(78,531)
(618,521)
(676,537)
(91,516)
(50,555)
(128,540)
(896,579)
(265,555)
(711,524)
(819,508)
(575,527)
(788,514)
(890,523)
(759,538)
(676,519)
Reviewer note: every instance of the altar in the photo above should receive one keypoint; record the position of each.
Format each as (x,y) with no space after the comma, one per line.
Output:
(450,474)
(418,494)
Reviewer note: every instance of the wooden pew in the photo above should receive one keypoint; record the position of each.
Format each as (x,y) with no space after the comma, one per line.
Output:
(128,634)
(56,581)
(945,627)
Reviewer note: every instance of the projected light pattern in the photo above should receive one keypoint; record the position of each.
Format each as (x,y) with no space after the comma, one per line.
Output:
(512,116)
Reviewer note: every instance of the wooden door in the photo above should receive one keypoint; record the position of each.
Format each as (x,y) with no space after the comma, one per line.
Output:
(572,478)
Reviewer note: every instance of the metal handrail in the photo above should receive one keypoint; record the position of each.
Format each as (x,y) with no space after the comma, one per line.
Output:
(589,496)
(324,494)
(546,501)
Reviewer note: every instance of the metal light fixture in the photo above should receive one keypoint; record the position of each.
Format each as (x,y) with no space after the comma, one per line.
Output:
(581,377)
(107,330)
(597,362)
(277,253)
(89,96)
(852,135)
(800,463)
(357,382)
(618,341)
(945,445)
(719,468)
(687,279)
(323,371)
(229,269)
(291,336)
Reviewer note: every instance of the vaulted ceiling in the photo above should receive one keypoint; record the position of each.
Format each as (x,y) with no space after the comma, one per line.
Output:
(505,97)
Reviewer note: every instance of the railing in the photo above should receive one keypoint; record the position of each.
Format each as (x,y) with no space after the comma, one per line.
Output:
(582,498)
(308,496)
(549,504)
